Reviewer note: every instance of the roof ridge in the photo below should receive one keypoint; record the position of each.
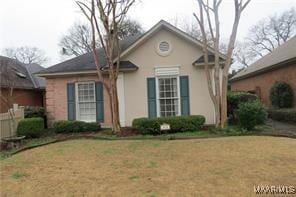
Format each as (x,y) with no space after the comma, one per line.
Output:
(30,75)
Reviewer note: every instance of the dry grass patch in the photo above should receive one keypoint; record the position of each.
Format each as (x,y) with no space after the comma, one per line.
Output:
(206,167)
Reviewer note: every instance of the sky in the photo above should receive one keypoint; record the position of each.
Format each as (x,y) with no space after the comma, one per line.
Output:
(42,23)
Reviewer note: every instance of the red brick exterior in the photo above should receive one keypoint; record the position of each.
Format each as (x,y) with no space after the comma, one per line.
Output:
(56,98)
(261,84)
(22,97)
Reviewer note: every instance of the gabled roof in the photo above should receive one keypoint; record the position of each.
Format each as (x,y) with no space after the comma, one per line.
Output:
(85,63)
(211,59)
(163,24)
(18,75)
(281,56)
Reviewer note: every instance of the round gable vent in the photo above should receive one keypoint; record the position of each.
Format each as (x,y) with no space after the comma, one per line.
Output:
(164,48)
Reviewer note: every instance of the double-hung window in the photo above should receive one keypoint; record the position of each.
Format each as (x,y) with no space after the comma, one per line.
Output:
(86,102)
(168,96)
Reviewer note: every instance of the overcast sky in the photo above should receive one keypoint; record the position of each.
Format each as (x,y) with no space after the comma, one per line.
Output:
(42,23)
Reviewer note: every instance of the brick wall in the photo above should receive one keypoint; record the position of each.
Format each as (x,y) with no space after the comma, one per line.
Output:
(22,97)
(56,98)
(262,83)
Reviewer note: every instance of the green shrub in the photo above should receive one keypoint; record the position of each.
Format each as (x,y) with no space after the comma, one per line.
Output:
(30,127)
(250,114)
(281,95)
(65,126)
(32,112)
(285,115)
(177,124)
(236,98)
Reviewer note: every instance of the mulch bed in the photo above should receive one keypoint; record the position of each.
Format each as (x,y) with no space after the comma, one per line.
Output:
(128,131)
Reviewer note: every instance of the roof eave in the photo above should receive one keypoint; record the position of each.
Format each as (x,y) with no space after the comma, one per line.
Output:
(264,70)
(57,74)
(210,64)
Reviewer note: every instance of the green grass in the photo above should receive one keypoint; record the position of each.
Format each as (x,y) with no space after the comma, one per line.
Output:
(18,175)
(134,178)
(153,168)
(106,134)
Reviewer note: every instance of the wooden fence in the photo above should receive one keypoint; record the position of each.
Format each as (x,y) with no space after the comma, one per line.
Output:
(8,126)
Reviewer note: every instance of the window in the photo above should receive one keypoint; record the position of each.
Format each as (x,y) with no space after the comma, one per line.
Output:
(168,96)
(86,103)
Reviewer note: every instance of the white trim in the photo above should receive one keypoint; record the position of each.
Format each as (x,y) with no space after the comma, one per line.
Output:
(157,93)
(77,97)
(121,99)
(166,71)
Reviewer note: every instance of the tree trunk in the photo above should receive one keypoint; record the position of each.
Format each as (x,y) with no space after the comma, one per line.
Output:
(224,100)
(114,102)
(218,95)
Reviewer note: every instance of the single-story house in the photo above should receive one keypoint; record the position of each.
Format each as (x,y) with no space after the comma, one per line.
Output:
(161,74)
(27,89)
(258,78)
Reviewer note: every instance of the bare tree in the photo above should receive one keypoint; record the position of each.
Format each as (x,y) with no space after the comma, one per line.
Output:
(265,36)
(242,54)
(106,17)
(209,14)
(78,39)
(26,54)
(269,33)
(192,29)
(128,28)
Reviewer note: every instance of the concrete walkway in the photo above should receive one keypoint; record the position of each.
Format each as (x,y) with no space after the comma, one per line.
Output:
(283,128)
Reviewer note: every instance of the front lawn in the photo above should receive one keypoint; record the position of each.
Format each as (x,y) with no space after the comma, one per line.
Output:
(202,167)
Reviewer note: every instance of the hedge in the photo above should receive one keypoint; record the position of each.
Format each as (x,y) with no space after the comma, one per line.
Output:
(177,124)
(66,126)
(250,114)
(30,127)
(285,115)
(33,112)
(233,101)
(281,95)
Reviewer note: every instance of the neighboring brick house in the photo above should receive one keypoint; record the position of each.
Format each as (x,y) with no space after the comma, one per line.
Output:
(258,78)
(27,89)
(161,74)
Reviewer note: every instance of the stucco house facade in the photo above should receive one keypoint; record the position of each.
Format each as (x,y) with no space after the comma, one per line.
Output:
(259,77)
(161,74)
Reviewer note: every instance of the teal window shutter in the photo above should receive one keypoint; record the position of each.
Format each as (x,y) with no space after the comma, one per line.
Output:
(99,102)
(71,101)
(151,93)
(184,95)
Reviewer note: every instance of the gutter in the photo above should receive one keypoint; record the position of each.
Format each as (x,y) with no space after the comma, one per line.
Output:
(79,72)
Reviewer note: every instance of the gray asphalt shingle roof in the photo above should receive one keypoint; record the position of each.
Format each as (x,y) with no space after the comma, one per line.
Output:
(18,75)
(86,62)
(281,54)
(211,59)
